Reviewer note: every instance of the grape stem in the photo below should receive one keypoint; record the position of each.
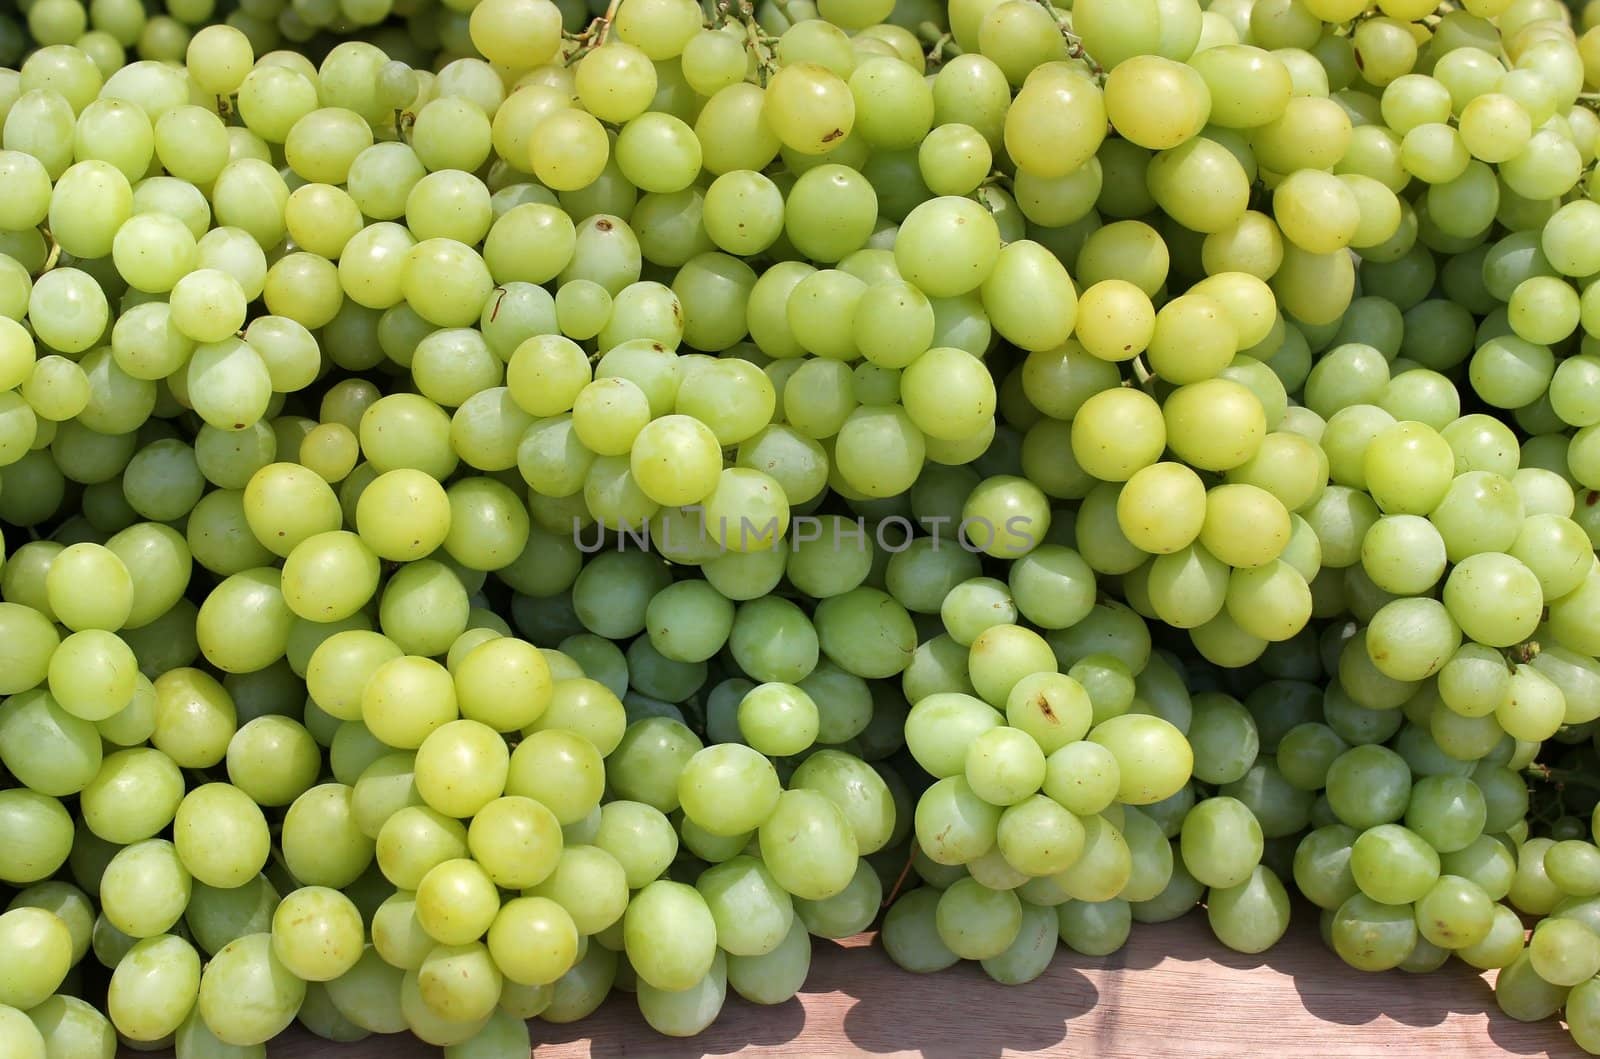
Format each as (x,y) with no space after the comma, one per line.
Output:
(759,44)
(943,47)
(594,35)
(1523,653)
(1145,378)
(403,121)
(1075,48)
(54,254)
(1563,777)
(606,19)
(905,870)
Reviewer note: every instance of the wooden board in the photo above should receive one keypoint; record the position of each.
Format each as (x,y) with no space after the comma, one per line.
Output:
(1173,991)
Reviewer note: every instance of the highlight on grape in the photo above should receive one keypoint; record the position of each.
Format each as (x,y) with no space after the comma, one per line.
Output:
(510,503)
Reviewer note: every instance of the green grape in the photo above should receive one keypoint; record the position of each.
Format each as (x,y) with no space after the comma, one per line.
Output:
(1054,125)
(145,888)
(1491,595)
(1560,951)
(1393,865)
(847,912)
(1455,914)
(926,390)
(809,845)
(43,948)
(940,728)
(153,988)
(1409,639)
(461,766)
(39,831)
(1039,837)
(90,202)
(1580,1015)
(246,996)
(221,836)
(976,922)
(68,311)
(670,935)
(1221,842)
(20,1035)
(321,842)
(218,58)
(1225,739)
(368,995)
(48,748)
(1029,954)
(911,936)
(753,914)
(1371,936)
(1368,785)
(73,1027)
(533,940)
(953,825)
(27,185)
(1083,777)
(1004,766)
(947,247)
(1447,811)
(1322,866)
(1153,760)
(317,933)
(729,790)
(1251,916)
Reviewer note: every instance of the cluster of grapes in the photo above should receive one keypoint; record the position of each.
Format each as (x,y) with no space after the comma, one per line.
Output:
(520,507)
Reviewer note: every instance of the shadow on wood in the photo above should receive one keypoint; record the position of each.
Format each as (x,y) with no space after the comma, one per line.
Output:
(1173,991)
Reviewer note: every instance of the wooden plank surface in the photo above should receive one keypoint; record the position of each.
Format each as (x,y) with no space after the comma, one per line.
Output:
(1173,991)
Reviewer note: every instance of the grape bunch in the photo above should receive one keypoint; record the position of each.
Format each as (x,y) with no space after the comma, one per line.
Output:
(503,502)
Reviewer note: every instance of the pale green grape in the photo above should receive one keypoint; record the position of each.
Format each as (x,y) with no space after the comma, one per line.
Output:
(73,1027)
(221,836)
(1083,777)
(145,888)
(43,952)
(321,841)
(27,186)
(977,922)
(1054,125)
(38,833)
(1456,914)
(911,936)
(1393,865)
(1004,766)
(1151,760)
(1495,598)
(90,202)
(68,310)
(1561,951)
(1094,928)
(947,246)
(246,995)
(49,749)
(153,987)
(1221,842)
(317,933)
